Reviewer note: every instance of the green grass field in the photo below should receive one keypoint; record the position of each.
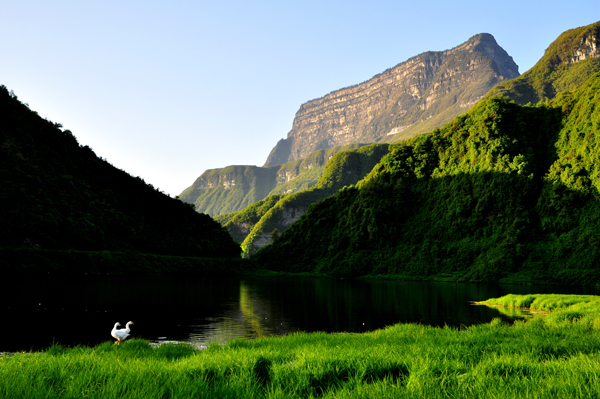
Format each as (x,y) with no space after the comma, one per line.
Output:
(549,356)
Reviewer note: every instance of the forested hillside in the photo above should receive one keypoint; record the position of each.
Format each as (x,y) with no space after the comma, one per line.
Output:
(58,195)
(502,192)
(261,223)
(568,62)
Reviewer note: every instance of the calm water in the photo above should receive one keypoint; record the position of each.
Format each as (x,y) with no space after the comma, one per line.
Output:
(83,310)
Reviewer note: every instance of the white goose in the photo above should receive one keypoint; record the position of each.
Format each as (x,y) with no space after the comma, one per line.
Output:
(122,334)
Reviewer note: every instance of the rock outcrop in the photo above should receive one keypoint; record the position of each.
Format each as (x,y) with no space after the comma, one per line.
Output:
(413,97)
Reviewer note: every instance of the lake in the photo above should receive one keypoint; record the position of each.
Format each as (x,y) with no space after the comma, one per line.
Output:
(83,310)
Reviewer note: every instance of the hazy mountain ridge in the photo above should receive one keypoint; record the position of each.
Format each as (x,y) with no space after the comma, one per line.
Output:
(233,188)
(438,85)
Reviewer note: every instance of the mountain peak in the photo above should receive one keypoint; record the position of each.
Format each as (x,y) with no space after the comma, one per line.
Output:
(412,97)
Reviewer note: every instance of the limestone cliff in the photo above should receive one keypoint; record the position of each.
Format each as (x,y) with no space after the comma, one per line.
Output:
(413,97)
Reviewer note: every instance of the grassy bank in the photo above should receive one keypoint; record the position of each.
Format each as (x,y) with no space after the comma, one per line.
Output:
(553,356)
(582,308)
(27,261)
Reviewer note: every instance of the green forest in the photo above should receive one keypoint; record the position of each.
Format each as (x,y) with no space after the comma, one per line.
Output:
(277,212)
(502,193)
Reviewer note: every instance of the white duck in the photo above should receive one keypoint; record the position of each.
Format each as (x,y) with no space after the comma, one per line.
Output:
(122,334)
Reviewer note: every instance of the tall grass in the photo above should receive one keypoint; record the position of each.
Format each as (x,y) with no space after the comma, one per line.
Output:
(553,356)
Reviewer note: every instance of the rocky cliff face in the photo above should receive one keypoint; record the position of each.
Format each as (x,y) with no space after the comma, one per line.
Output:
(413,97)
(588,45)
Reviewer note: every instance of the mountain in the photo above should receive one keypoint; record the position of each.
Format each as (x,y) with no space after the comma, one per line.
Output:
(503,191)
(568,62)
(261,223)
(233,188)
(410,98)
(413,97)
(58,195)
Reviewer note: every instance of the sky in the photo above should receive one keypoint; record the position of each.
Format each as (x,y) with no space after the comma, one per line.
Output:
(168,89)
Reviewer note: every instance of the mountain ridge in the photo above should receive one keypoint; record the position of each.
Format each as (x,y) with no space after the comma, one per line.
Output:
(479,62)
(233,188)
(397,98)
(505,192)
(566,64)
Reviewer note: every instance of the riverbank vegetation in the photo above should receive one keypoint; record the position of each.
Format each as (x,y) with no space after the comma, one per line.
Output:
(545,357)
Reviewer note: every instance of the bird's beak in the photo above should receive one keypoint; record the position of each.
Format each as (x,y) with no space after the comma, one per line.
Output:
(133,323)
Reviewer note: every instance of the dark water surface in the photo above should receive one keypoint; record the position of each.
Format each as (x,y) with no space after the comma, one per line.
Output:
(82,310)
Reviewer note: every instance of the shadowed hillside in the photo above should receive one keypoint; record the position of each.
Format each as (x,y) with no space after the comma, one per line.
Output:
(58,195)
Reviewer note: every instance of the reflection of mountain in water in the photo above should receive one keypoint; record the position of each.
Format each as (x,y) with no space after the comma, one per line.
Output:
(259,313)
(251,317)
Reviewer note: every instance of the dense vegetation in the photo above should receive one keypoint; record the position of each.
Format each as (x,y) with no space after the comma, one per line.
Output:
(558,70)
(240,224)
(259,223)
(58,195)
(502,191)
(229,189)
(554,356)
(233,188)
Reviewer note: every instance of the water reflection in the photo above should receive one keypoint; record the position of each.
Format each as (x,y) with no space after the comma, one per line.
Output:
(251,316)
(514,313)
(82,310)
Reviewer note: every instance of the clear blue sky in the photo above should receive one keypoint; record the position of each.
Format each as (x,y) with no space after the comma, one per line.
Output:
(168,89)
